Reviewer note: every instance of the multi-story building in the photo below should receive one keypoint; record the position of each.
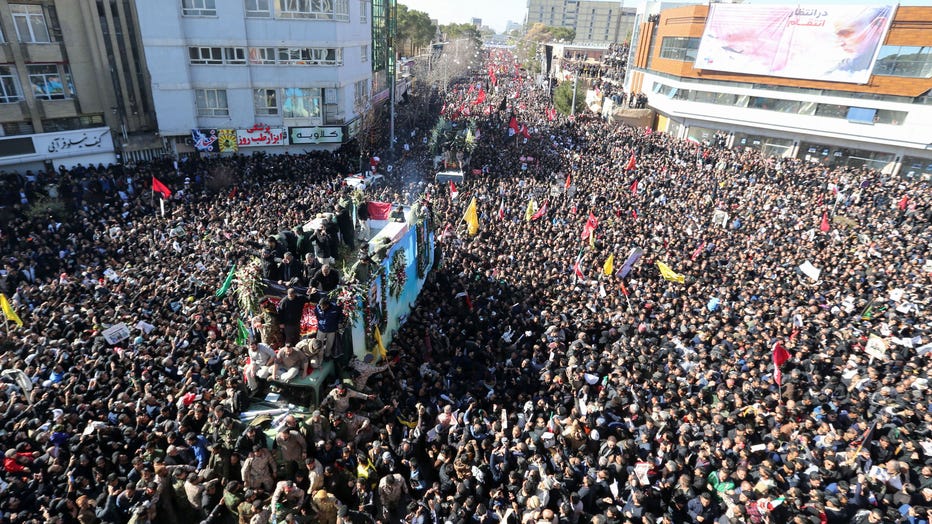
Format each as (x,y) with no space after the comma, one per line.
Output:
(73,85)
(848,85)
(593,20)
(261,75)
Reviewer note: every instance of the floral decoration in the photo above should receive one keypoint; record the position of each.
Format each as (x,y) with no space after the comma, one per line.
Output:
(250,287)
(398,273)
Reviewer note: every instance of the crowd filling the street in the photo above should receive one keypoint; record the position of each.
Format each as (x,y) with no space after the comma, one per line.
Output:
(631,328)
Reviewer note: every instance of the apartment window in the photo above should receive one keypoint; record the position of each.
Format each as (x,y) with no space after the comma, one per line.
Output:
(211,102)
(199,7)
(314,9)
(361,94)
(9,86)
(332,106)
(72,123)
(29,21)
(205,55)
(261,55)
(50,81)
(679,48)
(309,56)
(266,101)
(904,61)
(364,53)
(364,11)
(18,128)
(258,8)
(217,55)
(301,102)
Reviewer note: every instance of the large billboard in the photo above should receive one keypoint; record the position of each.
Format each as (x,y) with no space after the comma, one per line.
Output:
(836,43)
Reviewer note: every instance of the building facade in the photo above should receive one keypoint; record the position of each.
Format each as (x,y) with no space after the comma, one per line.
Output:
(74,85)
(258,75)
(604,21)
(883,122)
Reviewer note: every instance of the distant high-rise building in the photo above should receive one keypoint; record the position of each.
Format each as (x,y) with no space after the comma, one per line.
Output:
(477,22)
(593,20)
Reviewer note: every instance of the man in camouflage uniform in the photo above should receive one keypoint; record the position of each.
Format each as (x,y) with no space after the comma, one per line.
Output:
(247,508)
(327,507)
(338,400)
(365,368)
(259,469)
(287,500)
(293,449)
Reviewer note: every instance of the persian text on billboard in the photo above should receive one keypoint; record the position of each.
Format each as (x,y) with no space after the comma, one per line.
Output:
(837,43)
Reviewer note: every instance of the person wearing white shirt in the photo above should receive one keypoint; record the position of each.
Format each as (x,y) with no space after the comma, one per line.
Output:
(261,357)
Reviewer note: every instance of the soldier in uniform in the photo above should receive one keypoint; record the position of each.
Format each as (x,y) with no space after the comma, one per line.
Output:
(317,427)
(338,400)
(259,469)
(287,500)
(247,507)
(327,506)
(293,449)
(392,488)
(364,369)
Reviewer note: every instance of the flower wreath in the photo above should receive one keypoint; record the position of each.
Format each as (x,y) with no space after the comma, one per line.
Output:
(398,273)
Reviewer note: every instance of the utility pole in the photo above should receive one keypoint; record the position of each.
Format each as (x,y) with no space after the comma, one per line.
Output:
(391,22)
(575,83)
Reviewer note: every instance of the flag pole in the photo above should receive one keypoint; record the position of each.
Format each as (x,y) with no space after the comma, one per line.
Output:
(779,388)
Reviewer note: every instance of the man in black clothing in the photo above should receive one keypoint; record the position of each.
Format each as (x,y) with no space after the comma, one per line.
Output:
(323,282)
(290,310)
(345,222)
(289,270)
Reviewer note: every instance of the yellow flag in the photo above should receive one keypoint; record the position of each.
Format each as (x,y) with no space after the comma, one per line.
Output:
(531,209)
(8,310)
(472,218)
(609,266)
(377,335)
(668,274)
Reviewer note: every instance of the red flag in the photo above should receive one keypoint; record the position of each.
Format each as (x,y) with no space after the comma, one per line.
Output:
(631,163)
(569,181)
(551,114)
(540,212)
(492,77)
(697,251)
(780,354)
(824,225)
(232,193)
(379,210)
(634,214)
(591,224)
(624,290)
(524,132)
(903,203)
(481,97)
(159,187)
(634,187)
(501,211)
(453,192)
(778,376)
(513,126)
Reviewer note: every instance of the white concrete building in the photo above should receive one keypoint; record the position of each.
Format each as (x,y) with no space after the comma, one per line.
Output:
(272,75)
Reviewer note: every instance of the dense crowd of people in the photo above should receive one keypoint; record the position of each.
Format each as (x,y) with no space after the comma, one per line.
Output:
(530,384)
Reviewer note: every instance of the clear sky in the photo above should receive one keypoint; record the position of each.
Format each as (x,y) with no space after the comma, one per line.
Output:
(494,13)
(497,13)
